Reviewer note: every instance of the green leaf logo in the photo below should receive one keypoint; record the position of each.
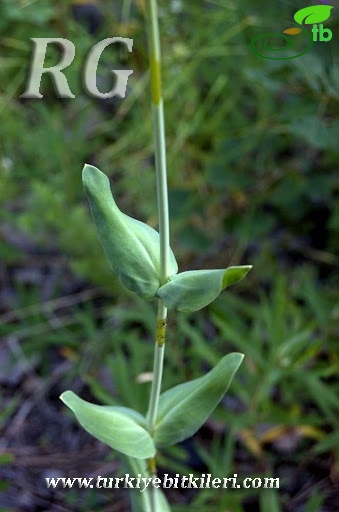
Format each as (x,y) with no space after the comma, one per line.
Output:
(313,14)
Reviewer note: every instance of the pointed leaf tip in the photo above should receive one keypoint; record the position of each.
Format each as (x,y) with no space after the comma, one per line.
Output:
(195,289)
(234,274)
(184,408)
(118,427)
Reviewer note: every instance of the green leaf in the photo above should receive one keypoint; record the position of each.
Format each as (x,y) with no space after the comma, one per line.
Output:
(269,501)
(132,247)
(329,443)
(120,428)
(184,408)
(313,14)
(195,289)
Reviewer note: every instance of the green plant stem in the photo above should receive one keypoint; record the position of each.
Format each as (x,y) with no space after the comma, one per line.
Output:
(162,200)
(158,134)
(157,366)
(162,197)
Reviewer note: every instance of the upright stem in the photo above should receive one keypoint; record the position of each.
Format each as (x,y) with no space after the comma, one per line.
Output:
(158,134)
(162,199)
(159,350)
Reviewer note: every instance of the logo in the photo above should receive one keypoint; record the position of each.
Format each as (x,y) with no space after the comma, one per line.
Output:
(313,15)
(89,77)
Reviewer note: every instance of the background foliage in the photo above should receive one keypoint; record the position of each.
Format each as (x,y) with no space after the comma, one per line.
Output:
(253,178)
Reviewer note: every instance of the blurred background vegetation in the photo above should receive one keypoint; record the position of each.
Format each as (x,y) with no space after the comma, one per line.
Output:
(253,152)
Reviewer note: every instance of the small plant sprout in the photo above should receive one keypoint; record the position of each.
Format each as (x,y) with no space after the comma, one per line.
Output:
(145,264)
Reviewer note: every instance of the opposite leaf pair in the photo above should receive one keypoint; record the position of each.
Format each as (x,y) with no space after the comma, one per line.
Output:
(133,251)
(182,411)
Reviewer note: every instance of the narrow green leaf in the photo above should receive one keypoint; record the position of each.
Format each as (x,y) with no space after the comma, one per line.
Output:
(313,14)
(329,443)
(269,500)
(195,289)
(184,408)
(131,247)
(120,428)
